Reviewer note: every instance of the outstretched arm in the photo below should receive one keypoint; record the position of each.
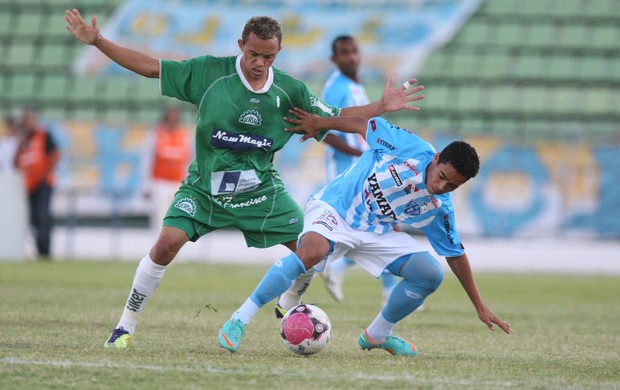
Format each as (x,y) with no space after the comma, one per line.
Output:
(312,124)
(137,62)
(391,100)
(461,268)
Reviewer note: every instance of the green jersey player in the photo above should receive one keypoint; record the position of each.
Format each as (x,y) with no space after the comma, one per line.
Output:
(242,102)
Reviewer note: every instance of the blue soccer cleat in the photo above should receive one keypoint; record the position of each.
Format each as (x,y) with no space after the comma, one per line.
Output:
(230,334)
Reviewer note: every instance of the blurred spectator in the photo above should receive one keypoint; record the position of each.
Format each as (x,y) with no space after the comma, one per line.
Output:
(168,156)
(8,144)
(37,157)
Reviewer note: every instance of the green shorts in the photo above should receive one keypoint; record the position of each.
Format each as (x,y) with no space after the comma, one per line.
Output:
(265,220)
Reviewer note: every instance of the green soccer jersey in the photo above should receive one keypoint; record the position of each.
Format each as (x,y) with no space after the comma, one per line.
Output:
(238,130)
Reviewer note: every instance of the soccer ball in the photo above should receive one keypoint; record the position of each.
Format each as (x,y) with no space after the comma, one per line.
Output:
(305,329)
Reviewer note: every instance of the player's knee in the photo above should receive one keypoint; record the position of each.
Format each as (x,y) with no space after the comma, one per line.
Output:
(164,250)
(312,249)
(433,272)
(423,268)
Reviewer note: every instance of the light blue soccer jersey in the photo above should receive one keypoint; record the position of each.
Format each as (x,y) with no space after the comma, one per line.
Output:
(386,185)
(341,91)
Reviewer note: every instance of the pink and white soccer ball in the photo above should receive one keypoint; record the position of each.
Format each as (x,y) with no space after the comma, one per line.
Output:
(305,329)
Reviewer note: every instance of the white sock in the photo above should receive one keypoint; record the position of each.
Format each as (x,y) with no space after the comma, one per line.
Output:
(292,296)
(380,328)
(246,312)
(145,282)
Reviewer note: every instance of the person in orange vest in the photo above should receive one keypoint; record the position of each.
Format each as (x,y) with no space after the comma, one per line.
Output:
(170,152)
(37,157)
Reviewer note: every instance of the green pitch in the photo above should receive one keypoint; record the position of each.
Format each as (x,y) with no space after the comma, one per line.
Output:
(55,316)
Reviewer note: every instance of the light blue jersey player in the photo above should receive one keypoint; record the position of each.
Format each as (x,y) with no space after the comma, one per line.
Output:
(343,148)
(401,179)
(387,185)
(343,89)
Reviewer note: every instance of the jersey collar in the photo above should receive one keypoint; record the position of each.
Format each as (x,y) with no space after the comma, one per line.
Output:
(245,81)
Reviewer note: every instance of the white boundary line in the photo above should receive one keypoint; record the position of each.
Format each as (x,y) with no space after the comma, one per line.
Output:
(212,370)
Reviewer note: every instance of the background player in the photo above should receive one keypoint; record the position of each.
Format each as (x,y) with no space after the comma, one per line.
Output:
(343,89)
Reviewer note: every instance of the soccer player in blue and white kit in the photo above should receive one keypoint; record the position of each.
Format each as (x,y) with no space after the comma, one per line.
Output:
(401,179)
(343,89)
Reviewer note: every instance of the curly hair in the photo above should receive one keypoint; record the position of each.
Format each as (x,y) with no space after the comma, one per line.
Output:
(264,27)
(463,158)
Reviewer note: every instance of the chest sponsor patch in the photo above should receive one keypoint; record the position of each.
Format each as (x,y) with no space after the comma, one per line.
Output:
(233,182)
(225,139)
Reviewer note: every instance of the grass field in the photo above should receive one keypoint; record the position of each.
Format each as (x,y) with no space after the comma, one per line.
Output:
(55,317)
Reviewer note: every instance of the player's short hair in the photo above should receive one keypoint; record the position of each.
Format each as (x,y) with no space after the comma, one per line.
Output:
(463,157)
(264,27)
(338,39)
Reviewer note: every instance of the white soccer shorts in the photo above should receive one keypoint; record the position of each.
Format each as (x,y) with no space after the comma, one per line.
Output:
(371,251)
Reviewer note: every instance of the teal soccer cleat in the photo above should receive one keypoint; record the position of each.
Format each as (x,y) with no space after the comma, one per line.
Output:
(394,345)
(230,334)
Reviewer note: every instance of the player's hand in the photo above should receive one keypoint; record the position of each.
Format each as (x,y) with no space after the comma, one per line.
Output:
(395,99)
(78,27)
(489,318)
(304,123)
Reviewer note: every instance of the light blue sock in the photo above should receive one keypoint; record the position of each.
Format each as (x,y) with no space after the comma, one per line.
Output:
(422,274)
(278,279)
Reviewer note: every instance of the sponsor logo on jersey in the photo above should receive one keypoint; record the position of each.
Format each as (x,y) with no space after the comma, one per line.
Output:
(293,220)
(412,167)
(254,101)
(386,144)
(411,188)
(413,208)
(373,125)
(326,219)
(382,202)
(395,176)
(227,202)
(225,139)
(186,204)
(251,117)
(448,227)
(434,201)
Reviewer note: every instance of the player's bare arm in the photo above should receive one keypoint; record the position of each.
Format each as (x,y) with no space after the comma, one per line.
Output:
(392,99)
(137,62)
(341,145)
(312,124)
(461,268)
